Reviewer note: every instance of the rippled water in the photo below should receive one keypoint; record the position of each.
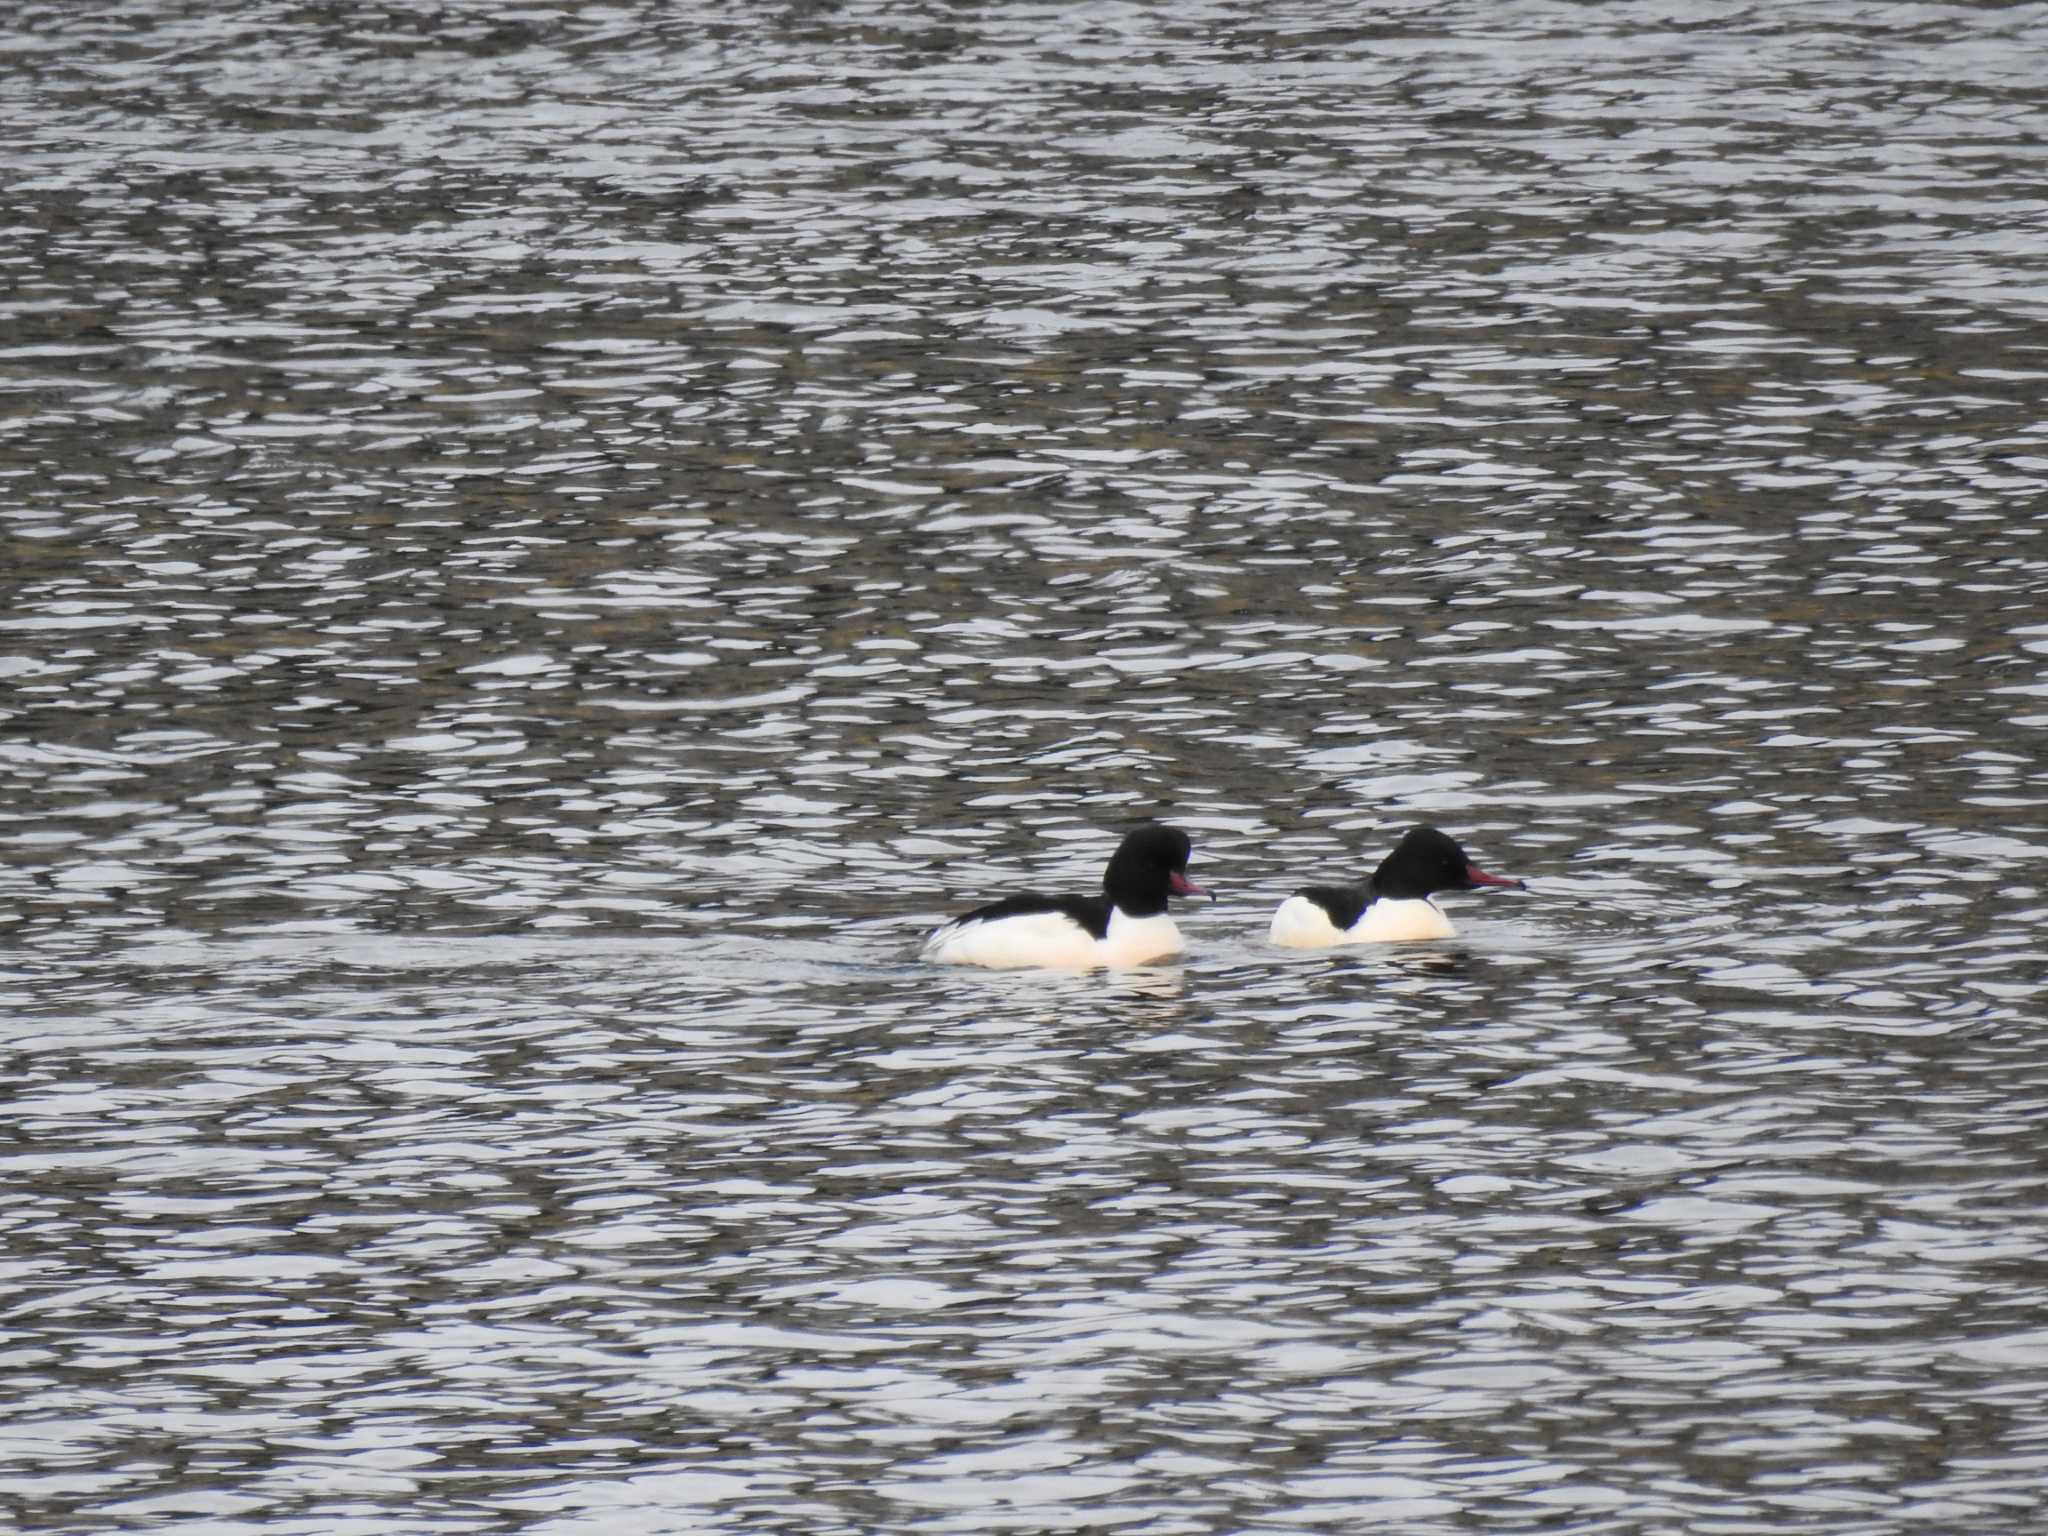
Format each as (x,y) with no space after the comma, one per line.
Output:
(544,544)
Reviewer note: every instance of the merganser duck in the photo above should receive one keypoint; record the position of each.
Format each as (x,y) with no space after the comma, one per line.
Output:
(1126,925)
(1393,905)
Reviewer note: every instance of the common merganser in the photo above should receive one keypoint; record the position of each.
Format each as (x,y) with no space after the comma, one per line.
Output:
(1393,905)
(1126,925)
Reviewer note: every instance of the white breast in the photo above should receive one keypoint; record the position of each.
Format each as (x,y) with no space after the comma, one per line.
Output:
(1139,940)
(1301,924)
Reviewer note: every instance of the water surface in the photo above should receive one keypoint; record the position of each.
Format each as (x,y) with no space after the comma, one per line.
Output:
(544,545)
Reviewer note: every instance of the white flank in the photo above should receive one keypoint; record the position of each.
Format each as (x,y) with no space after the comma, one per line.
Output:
(1052,940)
(1009,943)
(1301,924)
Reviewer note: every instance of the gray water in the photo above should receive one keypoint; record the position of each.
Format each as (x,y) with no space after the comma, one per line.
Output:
(544,545)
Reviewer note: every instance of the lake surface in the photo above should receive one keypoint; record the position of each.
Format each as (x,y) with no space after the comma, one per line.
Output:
(544,545)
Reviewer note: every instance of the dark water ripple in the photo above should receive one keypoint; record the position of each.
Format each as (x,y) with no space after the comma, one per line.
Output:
(541,545)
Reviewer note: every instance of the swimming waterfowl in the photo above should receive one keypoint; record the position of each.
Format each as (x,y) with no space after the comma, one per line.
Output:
(1127,924)
(1393,905)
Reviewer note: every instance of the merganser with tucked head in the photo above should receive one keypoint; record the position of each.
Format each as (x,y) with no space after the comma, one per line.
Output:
(1126,925)
(1393,905)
